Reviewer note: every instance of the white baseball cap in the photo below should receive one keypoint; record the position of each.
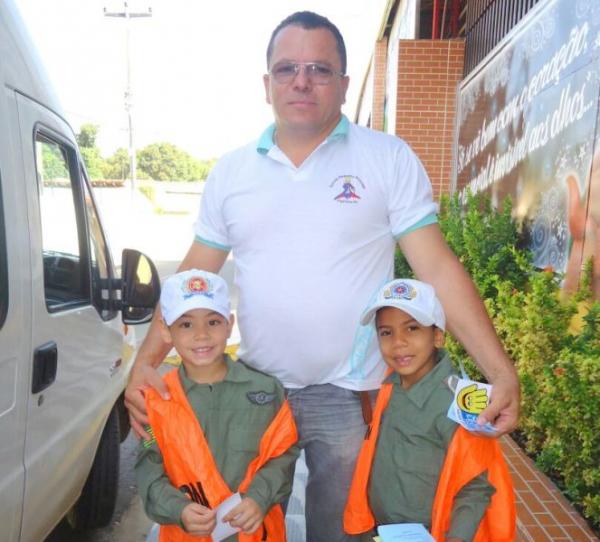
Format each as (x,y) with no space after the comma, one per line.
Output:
(193,289)
(413,297)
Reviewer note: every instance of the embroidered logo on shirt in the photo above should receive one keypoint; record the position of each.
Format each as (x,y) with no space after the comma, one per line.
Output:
(260,397)
(401,290)
(197,286)
(349,186)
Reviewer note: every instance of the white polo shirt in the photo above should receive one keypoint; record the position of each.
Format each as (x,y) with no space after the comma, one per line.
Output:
(311,245)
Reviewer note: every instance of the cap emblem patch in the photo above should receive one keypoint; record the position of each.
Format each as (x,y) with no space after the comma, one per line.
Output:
(402,290)
(197,286)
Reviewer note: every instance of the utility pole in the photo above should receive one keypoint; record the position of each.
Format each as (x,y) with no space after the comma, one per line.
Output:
(128,15)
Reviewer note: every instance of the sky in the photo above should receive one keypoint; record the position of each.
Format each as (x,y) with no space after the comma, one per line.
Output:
(196,65)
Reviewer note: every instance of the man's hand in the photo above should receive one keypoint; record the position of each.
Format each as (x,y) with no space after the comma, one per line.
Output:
(246,516)
(503,410)
(198,520)
(141,378)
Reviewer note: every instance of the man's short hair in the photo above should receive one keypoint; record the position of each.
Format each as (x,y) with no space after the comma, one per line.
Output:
(310,21)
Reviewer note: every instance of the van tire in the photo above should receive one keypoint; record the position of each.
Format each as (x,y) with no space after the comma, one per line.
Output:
(124,423)
(96,504)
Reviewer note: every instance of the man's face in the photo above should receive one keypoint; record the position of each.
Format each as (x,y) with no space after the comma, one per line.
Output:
(301,105)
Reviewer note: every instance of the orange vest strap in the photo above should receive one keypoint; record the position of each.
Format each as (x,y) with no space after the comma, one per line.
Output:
(358,517)
(277,439)
(468,456)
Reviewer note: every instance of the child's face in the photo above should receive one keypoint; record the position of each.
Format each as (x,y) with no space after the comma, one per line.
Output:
(200,337)
(407,347)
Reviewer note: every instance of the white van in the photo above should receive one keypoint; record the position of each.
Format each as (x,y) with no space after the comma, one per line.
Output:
(62,372)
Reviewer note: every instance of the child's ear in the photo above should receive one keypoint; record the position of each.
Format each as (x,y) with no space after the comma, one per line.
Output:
(164,332)
(438,338)
(231,322)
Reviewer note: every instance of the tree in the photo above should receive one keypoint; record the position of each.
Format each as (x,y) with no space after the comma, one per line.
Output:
(117,165)
(94,163)
(166,162)
(159,161)
(86,138)
(54,164)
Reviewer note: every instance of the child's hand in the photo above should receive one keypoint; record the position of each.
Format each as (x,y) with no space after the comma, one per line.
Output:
(198,520)
(246,516)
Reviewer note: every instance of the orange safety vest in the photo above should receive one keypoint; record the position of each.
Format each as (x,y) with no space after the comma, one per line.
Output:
(467,457)
(190,465)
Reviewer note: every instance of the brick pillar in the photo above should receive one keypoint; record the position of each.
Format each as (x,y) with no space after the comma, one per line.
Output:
(428,74)
(379,71)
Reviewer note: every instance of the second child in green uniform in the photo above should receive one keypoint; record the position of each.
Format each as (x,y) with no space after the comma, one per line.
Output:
(410,436)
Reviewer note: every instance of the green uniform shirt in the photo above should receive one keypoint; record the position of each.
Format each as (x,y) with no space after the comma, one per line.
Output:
(413,439)
(233,414)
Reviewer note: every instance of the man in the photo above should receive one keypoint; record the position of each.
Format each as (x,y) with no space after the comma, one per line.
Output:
(312,213)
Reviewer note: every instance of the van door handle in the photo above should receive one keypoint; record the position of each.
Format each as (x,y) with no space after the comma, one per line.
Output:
(44,366)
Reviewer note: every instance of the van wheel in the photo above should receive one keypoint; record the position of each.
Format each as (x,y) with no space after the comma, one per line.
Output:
(124,424)
(96,504)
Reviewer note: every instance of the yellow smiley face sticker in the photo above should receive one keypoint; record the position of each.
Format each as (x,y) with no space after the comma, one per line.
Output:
(472,399)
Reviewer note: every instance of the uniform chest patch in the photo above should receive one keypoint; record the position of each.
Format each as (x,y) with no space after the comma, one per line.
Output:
(260,397)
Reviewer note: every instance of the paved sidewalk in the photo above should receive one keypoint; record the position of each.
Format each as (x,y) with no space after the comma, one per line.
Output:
(543,514)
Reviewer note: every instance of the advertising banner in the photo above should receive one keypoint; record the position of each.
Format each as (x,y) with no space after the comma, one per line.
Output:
(528,128)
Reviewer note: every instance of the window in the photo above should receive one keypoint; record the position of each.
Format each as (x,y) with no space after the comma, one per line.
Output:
(64,248)
(100,259)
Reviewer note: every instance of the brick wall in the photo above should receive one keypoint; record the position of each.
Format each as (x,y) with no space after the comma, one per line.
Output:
(379,71)
(428,73)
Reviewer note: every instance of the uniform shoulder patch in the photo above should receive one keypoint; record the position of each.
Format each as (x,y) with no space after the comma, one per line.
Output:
(260,397)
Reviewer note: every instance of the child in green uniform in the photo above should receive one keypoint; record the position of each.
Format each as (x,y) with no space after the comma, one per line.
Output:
(400,472)
(234,406)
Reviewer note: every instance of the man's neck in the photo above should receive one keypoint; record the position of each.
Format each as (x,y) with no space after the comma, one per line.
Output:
(298,145)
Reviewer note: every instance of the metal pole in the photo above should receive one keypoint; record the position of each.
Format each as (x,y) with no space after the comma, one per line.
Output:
(128,15)
(129,99)
(436,20)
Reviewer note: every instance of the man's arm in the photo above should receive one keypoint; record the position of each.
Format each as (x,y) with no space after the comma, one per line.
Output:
(153,349)
(433,261)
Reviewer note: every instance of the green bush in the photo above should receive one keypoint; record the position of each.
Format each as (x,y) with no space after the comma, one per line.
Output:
(484,239)
(559,368)
(149,191)
(568,416)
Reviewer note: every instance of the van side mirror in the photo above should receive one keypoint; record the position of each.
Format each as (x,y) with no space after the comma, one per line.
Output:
(140,287)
